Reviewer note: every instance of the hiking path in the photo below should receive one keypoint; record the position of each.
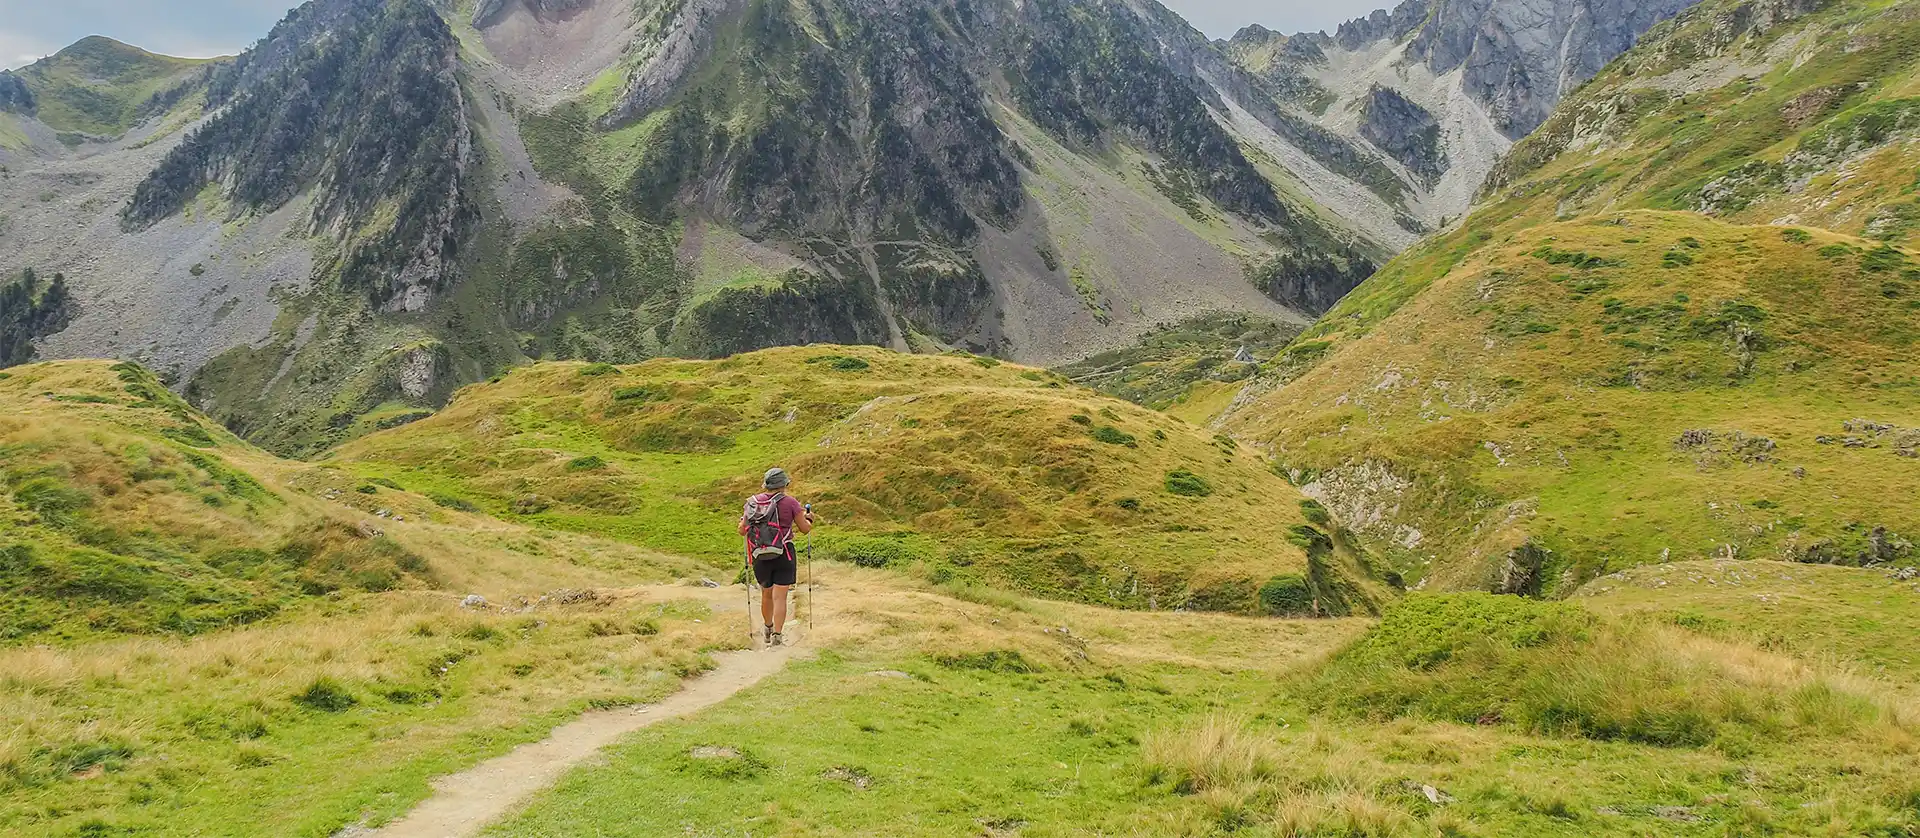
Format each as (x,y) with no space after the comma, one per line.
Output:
(465,803)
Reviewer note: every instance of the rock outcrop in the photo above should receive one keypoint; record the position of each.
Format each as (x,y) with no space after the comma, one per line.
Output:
(1403,130)
(15,97)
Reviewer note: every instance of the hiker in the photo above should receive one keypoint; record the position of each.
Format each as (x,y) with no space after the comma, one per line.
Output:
(769,522)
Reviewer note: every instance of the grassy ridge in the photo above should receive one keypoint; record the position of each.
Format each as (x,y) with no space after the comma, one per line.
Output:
(102,87)
(1584,378)
(132,513)
(966,468)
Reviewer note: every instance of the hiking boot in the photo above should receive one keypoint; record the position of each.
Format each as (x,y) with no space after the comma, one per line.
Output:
(776,639)
(770,635)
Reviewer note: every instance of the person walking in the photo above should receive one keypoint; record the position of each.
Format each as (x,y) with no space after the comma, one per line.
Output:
(768,523)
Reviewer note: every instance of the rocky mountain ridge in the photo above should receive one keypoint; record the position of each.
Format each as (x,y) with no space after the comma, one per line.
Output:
(1438,90)
(384,198)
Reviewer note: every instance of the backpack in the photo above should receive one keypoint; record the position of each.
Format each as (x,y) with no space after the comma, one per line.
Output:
(766,539)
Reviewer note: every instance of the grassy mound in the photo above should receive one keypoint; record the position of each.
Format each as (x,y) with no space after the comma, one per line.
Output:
(129,512)
(1612,363)
(964,468)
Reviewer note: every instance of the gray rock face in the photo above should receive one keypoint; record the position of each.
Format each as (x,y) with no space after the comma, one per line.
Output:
(1393,25)
(1404,130)
(1520,56)
(14,95)
(491,11)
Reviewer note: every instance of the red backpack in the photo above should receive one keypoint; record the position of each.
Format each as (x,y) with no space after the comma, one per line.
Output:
(766,539)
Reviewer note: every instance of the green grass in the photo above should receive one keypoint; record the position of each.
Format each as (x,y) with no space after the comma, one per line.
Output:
(1863,618)
(986,459)
(1122,737)
(98,86)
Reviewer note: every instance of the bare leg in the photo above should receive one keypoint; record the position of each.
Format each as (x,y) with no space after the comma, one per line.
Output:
(779,618)
(766,606)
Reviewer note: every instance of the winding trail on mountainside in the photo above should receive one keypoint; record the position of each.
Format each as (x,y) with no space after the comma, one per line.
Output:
(465,803)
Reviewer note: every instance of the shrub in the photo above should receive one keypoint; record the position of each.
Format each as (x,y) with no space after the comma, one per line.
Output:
(587,463)
(842,363)
(998,660)
(455,503)
(1287,595)
(366,488)
(877,551)
(1081,419)
(1114,436)
(637,394)
(1128,504)
(326,695)
(1315,512)
(1312,540)
(1795,235)
(1187,484)
(595,370)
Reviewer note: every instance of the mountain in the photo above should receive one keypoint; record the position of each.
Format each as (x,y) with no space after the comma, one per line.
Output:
(385,199)
(1680,327)
(1436,91)
(98,87)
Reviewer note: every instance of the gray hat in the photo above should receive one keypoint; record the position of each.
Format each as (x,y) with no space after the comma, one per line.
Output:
(776,478)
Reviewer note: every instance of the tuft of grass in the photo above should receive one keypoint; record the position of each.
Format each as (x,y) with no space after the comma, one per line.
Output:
(326,695)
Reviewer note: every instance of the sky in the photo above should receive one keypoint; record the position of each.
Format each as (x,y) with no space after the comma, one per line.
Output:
(30,29)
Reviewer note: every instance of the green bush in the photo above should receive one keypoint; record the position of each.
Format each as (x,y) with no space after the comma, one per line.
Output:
(1114,436)
(637,394)
(454,503)
(842,363)
(1128,504)
(1795,235)
(588,463)
(877,551)
(1315,512)
(1187,484)
(326,695)
(1287,595)
(595,370)
(999,660)
(1315,542)
(366,488)
(1081,419)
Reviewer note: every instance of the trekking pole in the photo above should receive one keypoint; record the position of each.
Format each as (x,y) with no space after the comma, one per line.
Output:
(747,582)
(810,593)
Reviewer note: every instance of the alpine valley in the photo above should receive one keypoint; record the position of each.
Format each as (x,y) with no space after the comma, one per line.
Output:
(383,200)
(1490,418)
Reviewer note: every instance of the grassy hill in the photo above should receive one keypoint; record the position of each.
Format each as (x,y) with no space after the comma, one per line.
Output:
(964,468)
(1455,715)
(102,87)
(1606,366)
(130,513)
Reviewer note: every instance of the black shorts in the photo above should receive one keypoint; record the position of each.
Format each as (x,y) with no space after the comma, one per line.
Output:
(782,572)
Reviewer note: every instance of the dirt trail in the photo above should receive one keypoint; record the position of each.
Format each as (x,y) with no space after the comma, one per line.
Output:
(464,803)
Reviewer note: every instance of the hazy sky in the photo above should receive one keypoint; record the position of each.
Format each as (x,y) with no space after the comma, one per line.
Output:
(30,29)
